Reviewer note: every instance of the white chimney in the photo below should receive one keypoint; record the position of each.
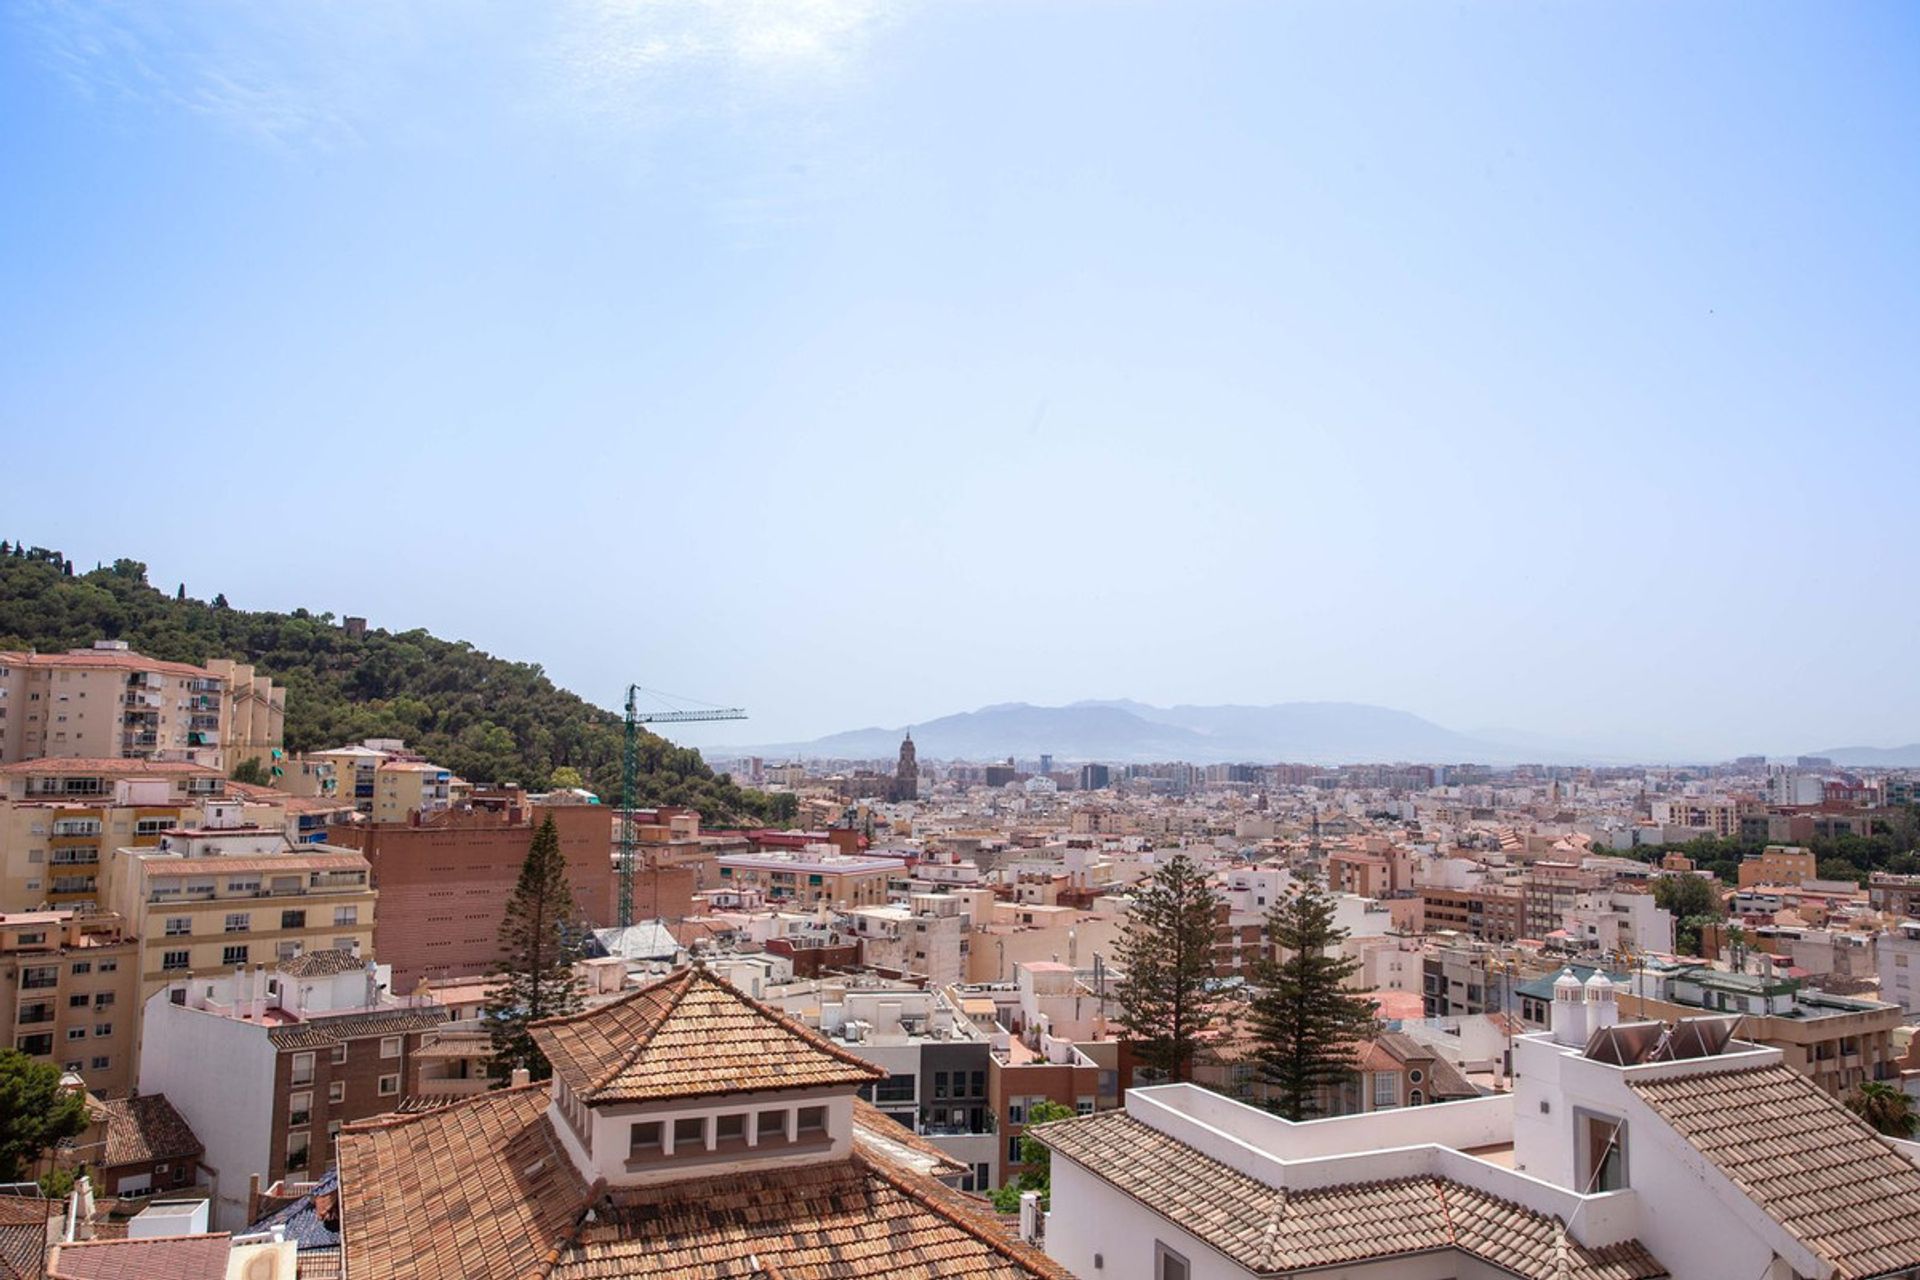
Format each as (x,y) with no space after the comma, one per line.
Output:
(1603,1005)
(1569,1011)
(520,1076)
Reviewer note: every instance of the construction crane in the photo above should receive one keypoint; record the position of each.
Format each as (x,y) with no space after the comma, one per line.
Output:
(630,779)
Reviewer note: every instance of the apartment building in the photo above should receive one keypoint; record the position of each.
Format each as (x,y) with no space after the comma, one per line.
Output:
(385,781)
(1897,895)
(1897,958)
(1494,913)
(229,892)
(1778,864)
(109,702)
(69,994)
(1550,890)
(305,1046)
(816,874)
(445,878)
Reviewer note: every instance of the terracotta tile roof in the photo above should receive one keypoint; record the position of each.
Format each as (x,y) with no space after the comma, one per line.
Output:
(323,964)
(317,1033)
(77,766)
(690,1035)
(843,1220)
(1811,1164)
(146,1128)
(23,1236)
(1269,1230)
(481,1191)
(154,1258)
(162,864)
(873,1127)
(116,659)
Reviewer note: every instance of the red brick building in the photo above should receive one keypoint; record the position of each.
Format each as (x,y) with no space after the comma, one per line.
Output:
(444,881)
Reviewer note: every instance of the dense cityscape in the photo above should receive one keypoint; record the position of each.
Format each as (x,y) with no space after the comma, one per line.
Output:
(1030,1014)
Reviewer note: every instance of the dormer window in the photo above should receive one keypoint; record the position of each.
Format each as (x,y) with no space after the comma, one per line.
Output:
(812,1123)
(772,1128)
(689,1134)
(730,1129)
(647,1141)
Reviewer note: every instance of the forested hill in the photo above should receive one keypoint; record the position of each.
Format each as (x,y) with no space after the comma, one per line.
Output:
(487,719)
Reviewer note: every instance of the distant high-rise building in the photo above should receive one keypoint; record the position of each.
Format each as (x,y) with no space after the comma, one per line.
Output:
(1814,762)
(1046,762)
(1095,777)
(906,774)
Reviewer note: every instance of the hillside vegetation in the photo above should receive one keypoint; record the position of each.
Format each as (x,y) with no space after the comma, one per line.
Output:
(488,719)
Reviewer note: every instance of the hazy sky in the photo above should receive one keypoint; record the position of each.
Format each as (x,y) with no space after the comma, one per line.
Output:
(1553,367)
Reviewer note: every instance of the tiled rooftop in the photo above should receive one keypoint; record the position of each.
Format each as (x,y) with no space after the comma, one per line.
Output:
(156,1258)
(1269,1230)
(1806,1160)
(315,1033)
(690,1035)
(483,1190)
(146,1128)
(323,964)
(23,1236)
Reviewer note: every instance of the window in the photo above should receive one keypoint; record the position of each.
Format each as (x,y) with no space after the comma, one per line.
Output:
(297,1144)
(303,1068)
(389,1046)
(173,960)
(101,1030)
(1016,1111)
(979,1084)
(337,1092)
(293,919)
(895,1088)
(40,977)
(1602,1142)
(730,1127)
(299,1110)
(1083,1106)
(772,1127)
(1013,1150)
(79,966)
(286,949)
(76,1002)
(939,1084)
(345,915)
(1386,1089)
(689,1134)
(247,884)
(109,966)
(35,1046)
(102,999)
(644,1139)
(339,1053)
(812,1121)
(1168,1265)
(239,921)
(389,1085)
(236,954)
(76,1033)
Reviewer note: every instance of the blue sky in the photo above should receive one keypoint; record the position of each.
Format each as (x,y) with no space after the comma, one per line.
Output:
(1538,366)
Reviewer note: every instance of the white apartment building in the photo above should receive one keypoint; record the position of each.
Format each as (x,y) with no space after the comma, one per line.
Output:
(1616,923)
(1625,1152)
(1899,965)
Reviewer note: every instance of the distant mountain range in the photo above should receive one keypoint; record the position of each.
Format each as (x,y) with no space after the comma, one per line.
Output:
(1124,731)
(1907,757)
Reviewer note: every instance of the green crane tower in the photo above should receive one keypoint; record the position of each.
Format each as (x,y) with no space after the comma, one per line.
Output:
(630,779)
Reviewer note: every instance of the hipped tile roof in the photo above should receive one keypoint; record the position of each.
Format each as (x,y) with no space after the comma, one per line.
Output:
(690,1035)
(483,1190)
(23,1236)
(323,964)
(145,1129)
(1812,1165)
(1270,1230)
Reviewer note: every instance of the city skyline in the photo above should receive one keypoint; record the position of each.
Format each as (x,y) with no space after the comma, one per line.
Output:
(1546,371)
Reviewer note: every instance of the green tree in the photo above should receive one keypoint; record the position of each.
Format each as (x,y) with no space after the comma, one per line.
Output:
(1166,955)
(1693,902)
(1886,1108)
(538,946)
(251,771)
(566,776)
(1038,1161)
(1305,1022)
(35,1113)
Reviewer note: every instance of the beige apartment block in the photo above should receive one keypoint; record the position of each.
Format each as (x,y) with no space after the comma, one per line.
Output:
(230,892)
(60,818)
(380,777)
(109,702)
(69,994)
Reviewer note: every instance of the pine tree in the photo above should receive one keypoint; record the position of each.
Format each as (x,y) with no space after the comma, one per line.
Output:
(538,946)
(1166,951)
(1305,1021)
